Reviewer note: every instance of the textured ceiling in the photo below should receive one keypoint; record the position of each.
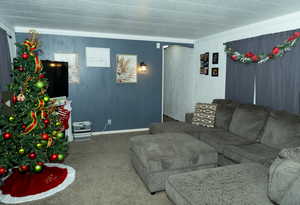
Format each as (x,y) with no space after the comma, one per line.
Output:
(189,19)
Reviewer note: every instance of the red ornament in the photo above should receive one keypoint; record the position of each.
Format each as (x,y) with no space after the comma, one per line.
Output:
(23,126)
(46,121)
(25,55)
(7,135)
(234,58)
(44,114)
(2,170)
(53,157)
(24,168)
(14,99)
(275,51)
(32,155)
(21,69)
(42,76)
(45,136)
(40,163)
(255,58)
(249,54)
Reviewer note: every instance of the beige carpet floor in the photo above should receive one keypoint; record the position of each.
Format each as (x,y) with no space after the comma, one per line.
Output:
(105,176)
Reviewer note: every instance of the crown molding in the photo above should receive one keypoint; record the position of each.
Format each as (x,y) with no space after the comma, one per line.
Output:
(20,29)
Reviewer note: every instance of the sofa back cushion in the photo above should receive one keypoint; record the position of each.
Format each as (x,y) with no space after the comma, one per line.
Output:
(248,121)
(281,129)
(224,115)
(204,114)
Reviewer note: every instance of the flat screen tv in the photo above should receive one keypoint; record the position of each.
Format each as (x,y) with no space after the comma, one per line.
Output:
(57,74)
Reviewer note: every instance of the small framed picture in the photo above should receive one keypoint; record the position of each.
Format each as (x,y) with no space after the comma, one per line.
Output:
(206,71)
(202,70)
(215,72)
(215,58)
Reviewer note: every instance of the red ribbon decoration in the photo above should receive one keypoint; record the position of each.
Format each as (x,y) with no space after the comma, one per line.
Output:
(33,125)
(38,65)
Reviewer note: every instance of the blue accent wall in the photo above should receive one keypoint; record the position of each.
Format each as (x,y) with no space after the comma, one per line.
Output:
(98,97)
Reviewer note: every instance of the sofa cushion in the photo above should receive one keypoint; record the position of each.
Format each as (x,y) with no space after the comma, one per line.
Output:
(248,121)
(284,178)
(165,127)
(282,130)
(223,101)
(224,114)
(170,151)
(243,184)
(204,115)
(218,139)
(251,153)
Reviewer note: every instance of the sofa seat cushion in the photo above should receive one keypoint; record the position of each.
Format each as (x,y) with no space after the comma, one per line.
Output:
(248,121)
(170,151)
(257,152)
(219,139)
(230,185)
(282,130)
(167,127)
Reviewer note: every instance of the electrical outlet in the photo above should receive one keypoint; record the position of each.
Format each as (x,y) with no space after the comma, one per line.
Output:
(108,121)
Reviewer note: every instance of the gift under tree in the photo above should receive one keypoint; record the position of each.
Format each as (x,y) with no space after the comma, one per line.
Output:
(32,132)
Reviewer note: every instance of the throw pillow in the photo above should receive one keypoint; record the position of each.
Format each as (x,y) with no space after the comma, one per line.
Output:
(205,115)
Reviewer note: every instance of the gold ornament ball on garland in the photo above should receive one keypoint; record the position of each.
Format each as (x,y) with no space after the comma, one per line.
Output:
(46,98)
(60,157)
(39,145)
(38,168)
(11,118)
(54,132)
(21,151)
(40,84)
(60,134)
(57,123)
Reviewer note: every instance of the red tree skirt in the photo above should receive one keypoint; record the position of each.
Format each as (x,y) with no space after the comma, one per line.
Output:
(25,184)
(23,187)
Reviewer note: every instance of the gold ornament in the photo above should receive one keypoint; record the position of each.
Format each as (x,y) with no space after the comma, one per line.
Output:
(21,97)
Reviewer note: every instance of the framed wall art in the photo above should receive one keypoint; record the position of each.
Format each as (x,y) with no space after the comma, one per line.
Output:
(126,68)
(215,72)
(215,58)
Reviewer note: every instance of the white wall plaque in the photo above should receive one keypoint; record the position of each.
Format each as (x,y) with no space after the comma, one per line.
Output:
(97,57)
(73,65)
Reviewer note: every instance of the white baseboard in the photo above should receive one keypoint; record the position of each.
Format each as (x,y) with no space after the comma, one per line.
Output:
(119,131)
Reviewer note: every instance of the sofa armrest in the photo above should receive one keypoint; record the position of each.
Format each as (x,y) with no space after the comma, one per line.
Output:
(189,117)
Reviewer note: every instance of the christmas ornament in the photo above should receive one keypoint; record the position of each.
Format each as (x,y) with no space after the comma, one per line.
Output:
(38,168)
(278,50)
(23,168)
(14,99)
(21,97)
(53,157)
(21,151)
(54,132)
(40,163)
(46,121)
(39,145)
(57,123)
(60,134)
(7,135)
(40,84)
(11,118)
(25,55)
(21,69)
(41,76)
(2,170)
(45,136)
(46,98)
(60,157)
(32,155)
(23,126)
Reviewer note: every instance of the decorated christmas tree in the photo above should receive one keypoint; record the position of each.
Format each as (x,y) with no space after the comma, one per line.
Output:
(32,131)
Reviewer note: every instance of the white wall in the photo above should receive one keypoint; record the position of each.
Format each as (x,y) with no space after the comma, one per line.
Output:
(10,31)
(208,87)
(179,75)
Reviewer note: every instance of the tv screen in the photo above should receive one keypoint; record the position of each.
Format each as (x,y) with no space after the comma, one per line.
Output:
(57,74)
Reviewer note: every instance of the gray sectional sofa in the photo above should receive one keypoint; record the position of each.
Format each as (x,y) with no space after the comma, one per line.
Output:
(242,132)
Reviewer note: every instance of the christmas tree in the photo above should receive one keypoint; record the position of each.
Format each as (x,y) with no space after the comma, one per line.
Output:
(32,132)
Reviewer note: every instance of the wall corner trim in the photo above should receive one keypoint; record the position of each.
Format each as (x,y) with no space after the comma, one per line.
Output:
(20,29)
(119,131)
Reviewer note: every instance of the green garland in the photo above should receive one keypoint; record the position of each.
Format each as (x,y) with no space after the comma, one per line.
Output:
(278,50)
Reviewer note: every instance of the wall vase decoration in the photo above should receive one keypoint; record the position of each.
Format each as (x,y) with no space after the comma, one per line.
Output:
(126,68)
